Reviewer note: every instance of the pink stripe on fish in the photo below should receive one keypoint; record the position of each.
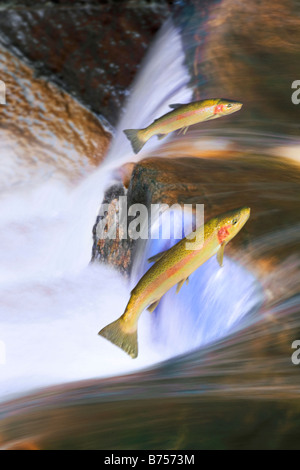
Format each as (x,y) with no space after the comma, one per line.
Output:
(176,118)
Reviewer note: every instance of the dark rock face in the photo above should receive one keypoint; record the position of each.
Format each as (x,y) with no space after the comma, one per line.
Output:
(115,252)
(92,49)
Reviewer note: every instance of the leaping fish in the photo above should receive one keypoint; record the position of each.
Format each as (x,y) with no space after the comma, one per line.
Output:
(182,116)
(172,267)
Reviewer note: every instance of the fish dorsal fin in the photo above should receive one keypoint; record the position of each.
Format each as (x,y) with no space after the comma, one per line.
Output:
(157,257)
(220,254)
(175,105)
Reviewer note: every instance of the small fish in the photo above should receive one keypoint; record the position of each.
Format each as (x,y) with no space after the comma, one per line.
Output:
(182,116)
(172,267)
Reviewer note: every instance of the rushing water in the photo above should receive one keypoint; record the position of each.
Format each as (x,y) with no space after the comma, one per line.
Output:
(53,303)
(50,328)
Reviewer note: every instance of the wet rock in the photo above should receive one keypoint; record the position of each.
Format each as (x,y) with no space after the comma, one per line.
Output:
(92,49)
(115,252)
(44,130)
(124,173)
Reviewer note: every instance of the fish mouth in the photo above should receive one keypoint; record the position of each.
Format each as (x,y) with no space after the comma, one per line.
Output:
(245,214)
(236,106)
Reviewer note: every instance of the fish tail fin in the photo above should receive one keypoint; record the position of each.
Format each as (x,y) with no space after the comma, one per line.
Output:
(118,335)
(136,138)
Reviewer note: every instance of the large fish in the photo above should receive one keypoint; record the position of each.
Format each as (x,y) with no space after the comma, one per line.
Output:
(182,116)
(172,267)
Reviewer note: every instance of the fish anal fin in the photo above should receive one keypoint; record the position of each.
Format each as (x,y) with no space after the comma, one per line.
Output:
(220,254)
(175,105)
(153,306)
(180,284)
(183,130)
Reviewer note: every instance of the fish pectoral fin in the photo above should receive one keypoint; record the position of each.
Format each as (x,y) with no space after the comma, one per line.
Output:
(161,136)
(153,306)
(187,281)
(175,105)
(220,254)
(180,284)
(157,257)
(183,130)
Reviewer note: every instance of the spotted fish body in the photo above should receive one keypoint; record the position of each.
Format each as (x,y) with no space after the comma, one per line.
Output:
(181,118)
(172,267)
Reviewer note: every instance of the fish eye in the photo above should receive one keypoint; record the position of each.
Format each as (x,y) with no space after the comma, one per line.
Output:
(229,106)
(235,221)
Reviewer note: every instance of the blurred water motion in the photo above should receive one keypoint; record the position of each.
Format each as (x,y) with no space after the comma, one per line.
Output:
(249,51)
(240,389)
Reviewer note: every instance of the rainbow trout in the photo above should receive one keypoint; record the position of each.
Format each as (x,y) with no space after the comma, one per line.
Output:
(172,267)
(182,116)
